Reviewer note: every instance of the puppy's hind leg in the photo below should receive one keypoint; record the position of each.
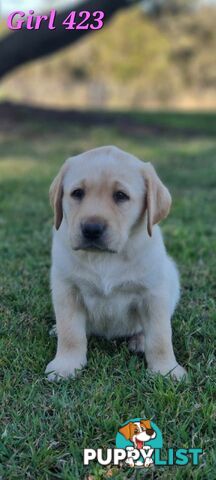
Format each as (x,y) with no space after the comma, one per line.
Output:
(136,343)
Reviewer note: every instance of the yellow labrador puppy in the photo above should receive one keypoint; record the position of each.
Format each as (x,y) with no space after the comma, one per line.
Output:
(111,275)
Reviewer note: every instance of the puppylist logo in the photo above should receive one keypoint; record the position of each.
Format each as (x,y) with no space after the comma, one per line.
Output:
(139,443)
(139,438)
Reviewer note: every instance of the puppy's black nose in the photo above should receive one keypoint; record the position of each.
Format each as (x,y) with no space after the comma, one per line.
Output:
(93,230)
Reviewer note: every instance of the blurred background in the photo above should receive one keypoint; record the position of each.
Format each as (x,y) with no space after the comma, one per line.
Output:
(153,54)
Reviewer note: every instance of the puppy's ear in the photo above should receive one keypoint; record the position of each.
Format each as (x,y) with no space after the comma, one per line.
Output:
(158,199)
(56,194)
(126,431)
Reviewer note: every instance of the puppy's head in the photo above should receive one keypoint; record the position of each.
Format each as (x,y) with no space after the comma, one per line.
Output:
(103,195)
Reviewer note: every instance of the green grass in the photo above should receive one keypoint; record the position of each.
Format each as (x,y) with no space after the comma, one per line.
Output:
(44,427)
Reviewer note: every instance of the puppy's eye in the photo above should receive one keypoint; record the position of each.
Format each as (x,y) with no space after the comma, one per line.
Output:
(78,193)
(120,196)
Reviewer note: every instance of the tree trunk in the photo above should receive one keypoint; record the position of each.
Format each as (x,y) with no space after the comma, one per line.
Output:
(24,45)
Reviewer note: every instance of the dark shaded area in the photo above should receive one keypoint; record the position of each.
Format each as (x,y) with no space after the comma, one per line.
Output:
(136,123)
(22,46)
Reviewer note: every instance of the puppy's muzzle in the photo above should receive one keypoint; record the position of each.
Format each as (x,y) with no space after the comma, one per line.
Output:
(93,231)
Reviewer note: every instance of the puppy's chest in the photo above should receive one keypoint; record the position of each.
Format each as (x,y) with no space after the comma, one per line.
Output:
(98,295)
(113,309)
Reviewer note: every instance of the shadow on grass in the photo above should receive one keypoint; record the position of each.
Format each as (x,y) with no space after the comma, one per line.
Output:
(134,123)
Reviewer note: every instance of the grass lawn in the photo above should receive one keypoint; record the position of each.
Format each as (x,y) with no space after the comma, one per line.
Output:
(44,427)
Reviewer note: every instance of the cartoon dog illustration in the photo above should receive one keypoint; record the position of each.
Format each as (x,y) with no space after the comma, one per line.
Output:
(138,433)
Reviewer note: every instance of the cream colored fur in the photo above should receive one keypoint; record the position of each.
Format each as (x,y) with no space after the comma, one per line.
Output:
(131,287)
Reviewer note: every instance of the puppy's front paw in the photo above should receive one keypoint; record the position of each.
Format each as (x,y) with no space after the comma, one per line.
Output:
(177,372)
(64,366)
